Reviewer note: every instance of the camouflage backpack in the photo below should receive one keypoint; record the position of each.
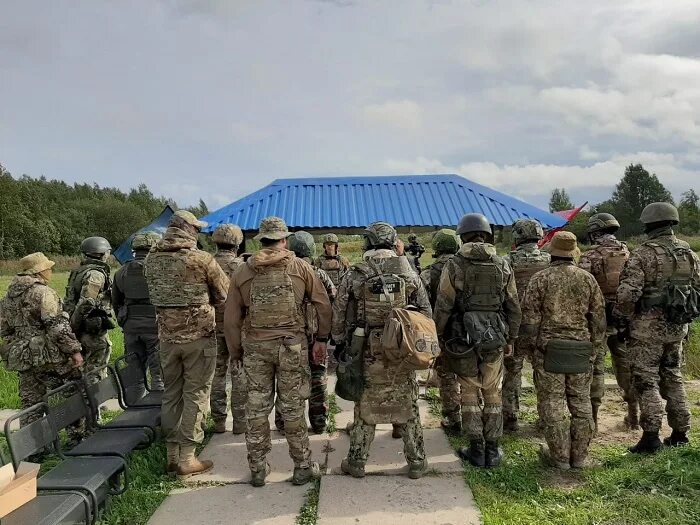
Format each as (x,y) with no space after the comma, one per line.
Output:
(272,300)
(613,259)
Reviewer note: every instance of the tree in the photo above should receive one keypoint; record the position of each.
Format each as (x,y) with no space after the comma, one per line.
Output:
(200,210)
(689,211)
(560,200)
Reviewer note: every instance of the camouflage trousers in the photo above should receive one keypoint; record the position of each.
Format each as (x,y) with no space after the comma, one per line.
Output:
(96,350)
(557,394)
(513,378)
(141,350)
(33,386)
(656,377)
(483,422)
(362,435)
(282,365)
(598,376)
(219,398)
(621,366)
(188,369)
(450,391)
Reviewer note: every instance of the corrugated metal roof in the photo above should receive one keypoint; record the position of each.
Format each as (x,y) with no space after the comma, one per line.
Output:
(355,202)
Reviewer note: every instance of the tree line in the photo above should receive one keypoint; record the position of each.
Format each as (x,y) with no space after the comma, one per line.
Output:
(636,189)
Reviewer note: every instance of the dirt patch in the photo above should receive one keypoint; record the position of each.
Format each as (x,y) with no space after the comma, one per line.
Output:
(563,480)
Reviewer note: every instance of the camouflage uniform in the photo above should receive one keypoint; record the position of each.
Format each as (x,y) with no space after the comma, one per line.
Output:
(526,260)
(185,284)
(605,261)
(563,302)
(229,262)
(38,340)
(390,395)
(655,344)
(264,323)
(334,265)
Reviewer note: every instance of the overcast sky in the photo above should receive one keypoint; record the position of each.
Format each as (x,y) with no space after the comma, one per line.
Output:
(216,98)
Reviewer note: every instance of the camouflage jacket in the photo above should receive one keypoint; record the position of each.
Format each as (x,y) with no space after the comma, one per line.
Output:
(345,308)
(184,324)
(526,260)
(229,262)
(563,302)
(446,303)
(593,260)
(35,327)
(431,276)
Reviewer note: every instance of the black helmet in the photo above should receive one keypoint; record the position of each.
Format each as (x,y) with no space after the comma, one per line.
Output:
(95,245)
(473,223)
(659,212)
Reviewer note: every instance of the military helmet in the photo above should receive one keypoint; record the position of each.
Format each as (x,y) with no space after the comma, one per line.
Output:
(95,245)
(527,230)
(602,221)
(330,238)
(445,241)
(302,244)
(380,234)
(144,241)
(472,223)
(659,212)
(412,237)
(227,234)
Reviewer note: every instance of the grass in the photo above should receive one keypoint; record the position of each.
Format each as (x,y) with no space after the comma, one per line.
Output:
(333,410)
(308,513)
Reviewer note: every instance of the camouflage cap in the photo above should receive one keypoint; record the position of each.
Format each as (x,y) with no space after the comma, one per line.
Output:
(227,234)
(190,219)
(330,238)
(35,263)
(527,230)
(445,241)
(144,240)
(272,228)
(563,245)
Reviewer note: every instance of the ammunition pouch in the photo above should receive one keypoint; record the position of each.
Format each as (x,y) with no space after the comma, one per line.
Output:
(350,382)
(563,356)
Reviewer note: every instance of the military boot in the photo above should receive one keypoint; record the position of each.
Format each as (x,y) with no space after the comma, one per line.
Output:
(356,470)
(189,465)
(257,476)
(632,417)
(677,439)
(475,454)
(649,444)
(451,423)
(173,450)
(549,461)
(493,454)
(510,422)
(416,469)
(397,431)
(219,427)
(302,475)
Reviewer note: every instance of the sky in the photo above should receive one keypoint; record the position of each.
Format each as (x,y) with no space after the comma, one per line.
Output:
(215,99)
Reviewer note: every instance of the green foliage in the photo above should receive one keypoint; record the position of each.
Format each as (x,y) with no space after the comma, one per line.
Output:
(689,211)
(560,200)
(308,514)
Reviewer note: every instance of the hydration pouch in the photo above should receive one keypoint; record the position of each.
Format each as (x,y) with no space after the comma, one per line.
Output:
(563,356)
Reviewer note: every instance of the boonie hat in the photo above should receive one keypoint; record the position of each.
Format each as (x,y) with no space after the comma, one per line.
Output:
(563,245)
(34,263)
(190,219)
(272,228)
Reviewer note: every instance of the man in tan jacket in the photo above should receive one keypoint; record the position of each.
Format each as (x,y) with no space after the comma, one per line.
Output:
(265,303)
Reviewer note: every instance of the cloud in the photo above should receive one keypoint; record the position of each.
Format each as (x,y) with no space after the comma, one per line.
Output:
(405,115)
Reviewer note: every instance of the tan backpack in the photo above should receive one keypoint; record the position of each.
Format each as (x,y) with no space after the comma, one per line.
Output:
(410,338)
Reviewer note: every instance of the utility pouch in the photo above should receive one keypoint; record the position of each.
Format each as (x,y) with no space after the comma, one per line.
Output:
(462,358)
(350,382)
(564,356)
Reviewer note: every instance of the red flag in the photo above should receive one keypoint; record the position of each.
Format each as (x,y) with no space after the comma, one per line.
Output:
(569,215)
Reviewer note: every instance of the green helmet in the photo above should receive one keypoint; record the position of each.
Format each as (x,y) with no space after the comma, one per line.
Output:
(144,241)
(95,245)
(330,238)
(659,212)
(602,221)
(380,235)
(412,237)
(472,223)
(445,242)
(527,230)
(227,234)
(302,244)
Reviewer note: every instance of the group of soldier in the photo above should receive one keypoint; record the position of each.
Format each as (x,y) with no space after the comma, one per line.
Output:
(195,321)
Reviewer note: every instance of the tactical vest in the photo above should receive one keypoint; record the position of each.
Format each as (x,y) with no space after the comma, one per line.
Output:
(168,284)
(526,264)
(272,300)
(75,282)
(332,265)
(435,274)
(613,259)
(383,289)
(228,262)
(480,284)
(135,289)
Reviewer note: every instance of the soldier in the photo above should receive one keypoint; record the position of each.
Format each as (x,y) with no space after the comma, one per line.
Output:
(137,317)
(228,238)
(605,261)
(564,319)
(415,249)
(88,302)
(303,245)
(656,299)
(39,343)
(366,296)
(526,260)
(445,245)
(185,285)
(334,264)
(477,314)
(266,305)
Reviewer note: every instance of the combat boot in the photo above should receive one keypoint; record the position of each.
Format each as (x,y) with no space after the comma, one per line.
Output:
(238,427)
(632,417)
(189,465)
(397,431)
(451,424)
(173,451)
(649,444)
(548,461)
(257,477)
(493,455)
(219,427)
(510,422)
(475,454)
(302,475)
(416,469)
(677,439)
(356,470)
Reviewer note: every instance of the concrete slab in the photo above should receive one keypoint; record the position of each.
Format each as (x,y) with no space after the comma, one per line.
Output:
(6,414)
(273,504)
(396,501)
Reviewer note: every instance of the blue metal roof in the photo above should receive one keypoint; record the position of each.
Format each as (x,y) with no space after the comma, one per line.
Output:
(354,202)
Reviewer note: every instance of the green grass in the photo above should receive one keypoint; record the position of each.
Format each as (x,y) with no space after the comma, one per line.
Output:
(308,513)
(333,410)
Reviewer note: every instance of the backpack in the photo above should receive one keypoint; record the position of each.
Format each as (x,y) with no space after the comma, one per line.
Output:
(410,337)
(383,290)
(614,260)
